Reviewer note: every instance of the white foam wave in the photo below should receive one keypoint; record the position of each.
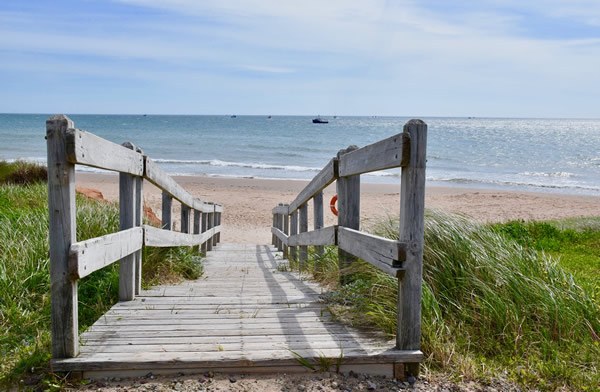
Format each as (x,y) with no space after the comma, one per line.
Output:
(247,165)
(546,174)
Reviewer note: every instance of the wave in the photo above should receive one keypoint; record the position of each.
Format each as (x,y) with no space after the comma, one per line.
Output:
(517,184)
(247,165)
(546,174)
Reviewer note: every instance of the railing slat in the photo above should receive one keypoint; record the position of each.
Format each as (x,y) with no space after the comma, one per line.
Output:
(166,238)
(280,235)
(325,177)
(88,256)
(383,253)
(88,149)
(325,236)
(385,154)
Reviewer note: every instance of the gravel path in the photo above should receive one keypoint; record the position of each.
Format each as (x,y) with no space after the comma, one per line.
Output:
(320,382)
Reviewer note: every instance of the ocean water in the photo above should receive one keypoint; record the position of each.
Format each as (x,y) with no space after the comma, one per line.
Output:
(555,155)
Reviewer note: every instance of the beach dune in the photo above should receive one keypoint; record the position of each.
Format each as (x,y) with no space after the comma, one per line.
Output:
(248,202)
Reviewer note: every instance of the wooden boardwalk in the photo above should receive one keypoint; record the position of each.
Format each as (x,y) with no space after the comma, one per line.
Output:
(247,313)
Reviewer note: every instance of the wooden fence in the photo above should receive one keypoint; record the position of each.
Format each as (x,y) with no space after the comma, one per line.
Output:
(402,259)
(71,260)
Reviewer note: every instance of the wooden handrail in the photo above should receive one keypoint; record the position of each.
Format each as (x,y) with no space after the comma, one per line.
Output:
(71,260)
(402,259)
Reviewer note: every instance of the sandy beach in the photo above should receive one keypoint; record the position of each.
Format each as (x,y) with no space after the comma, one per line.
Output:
(248,202)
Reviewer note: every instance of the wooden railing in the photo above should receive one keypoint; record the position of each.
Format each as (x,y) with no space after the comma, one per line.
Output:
(402,259)
(71,260)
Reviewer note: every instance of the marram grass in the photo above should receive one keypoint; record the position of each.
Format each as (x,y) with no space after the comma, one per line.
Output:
(491,307)
(24,278)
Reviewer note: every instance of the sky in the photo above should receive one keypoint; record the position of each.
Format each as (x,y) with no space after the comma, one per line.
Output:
(494,58)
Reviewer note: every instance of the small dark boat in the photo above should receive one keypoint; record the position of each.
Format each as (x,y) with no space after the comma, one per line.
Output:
(320,120)
(233,116)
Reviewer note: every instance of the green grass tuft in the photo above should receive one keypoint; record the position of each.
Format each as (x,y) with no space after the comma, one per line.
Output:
(493,304)
(24,278)
(21,172)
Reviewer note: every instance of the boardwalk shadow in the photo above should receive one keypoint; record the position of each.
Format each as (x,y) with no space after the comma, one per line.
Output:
(301,338)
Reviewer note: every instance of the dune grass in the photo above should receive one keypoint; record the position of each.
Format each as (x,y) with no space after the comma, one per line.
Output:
(21,172)
(24,279)
(493,305)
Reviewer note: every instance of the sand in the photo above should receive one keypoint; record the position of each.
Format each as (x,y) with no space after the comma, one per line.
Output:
(248,202)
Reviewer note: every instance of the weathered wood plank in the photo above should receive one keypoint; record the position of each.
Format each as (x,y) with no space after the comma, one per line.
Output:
(303,228)
(318,217)
(325,177)
(385,154)
(325,236)
(385,254)
(280,235)
(281,209)
(127,213)
(62,229)
(165,238)
(88,256)
(88,149)
(412,211)
(348,191)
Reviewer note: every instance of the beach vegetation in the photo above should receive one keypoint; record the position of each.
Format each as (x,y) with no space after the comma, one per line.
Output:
(25,286)
(22,172)
(499,301)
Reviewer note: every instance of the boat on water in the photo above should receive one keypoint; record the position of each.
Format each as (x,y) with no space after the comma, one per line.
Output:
(320,120)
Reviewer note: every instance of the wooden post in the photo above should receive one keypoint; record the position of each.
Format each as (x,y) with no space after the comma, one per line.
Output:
(210,221)
(303,229)
(293,231)
(138,220)
(167,204)
(185,218)
(127,217)
(318,218)
(197,217)
(348,191)
(286,231)
(279,222)
(219,224)
(273,236)
(412,209)
(62,229)
(204,245)
(215,224)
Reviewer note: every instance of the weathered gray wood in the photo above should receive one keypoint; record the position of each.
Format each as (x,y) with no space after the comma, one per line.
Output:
(127,215)
(286,230)
(96,253)
(139,218)
(235,328)
(197,219)
(293,231)
(62,229)
(348,191)
(166,238)
(274,225)
(325,236)
(205,217)
(88,149)
(281,209)
(412,210)
(158,177)
(219,215)
(185,219)
(325,177)
(385,254)
(167,209)
(385,154)
(210,223)
(318,218)
(303,228)
(280,235)
(215,224)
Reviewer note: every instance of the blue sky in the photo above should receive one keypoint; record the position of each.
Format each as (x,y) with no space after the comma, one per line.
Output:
(347,57)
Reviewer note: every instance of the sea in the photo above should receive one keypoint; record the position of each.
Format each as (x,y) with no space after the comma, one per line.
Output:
(531,154)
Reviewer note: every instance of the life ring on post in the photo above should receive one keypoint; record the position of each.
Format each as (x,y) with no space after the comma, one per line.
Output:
(334,210)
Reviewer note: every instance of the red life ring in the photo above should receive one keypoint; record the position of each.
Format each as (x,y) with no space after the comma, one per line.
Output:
(332,205)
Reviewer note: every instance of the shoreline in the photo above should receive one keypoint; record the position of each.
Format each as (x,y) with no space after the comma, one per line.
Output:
(248,202)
